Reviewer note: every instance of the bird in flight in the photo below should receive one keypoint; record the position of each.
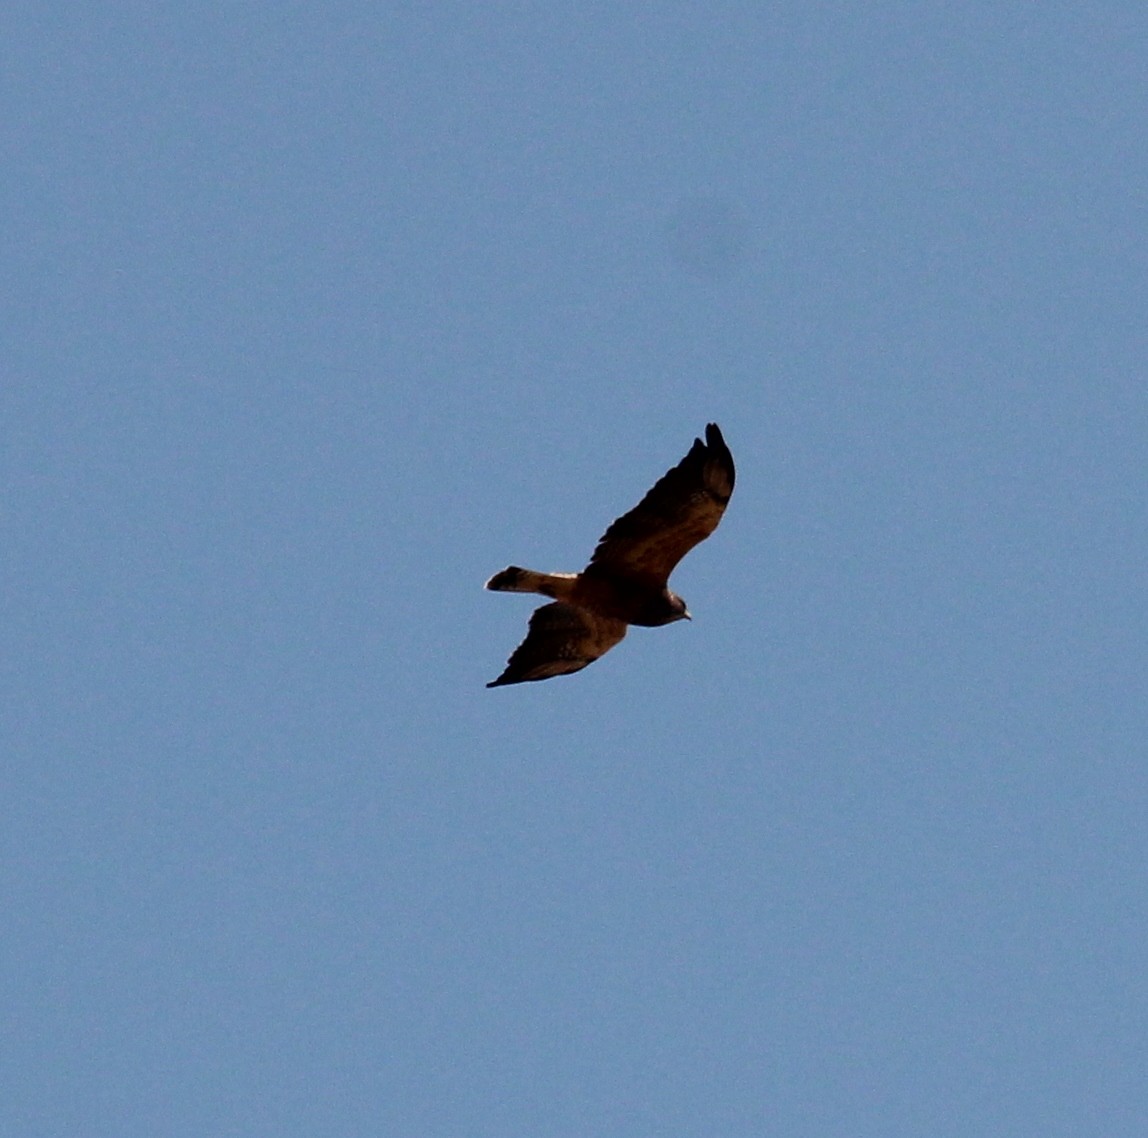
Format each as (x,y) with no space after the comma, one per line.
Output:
(626,580)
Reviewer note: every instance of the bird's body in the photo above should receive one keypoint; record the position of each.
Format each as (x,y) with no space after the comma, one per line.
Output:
(626,580)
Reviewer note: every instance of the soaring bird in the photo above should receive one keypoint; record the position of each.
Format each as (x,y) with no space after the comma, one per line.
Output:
(626,581)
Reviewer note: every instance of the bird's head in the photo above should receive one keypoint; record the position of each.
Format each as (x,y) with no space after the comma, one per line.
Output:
(658,609)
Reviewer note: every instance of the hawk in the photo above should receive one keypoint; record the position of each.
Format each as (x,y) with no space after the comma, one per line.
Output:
(626,580)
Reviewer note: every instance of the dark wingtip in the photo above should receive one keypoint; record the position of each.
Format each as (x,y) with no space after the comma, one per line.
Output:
(719,450)
(503,678)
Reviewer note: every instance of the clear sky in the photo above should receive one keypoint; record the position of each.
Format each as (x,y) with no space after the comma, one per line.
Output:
(314,316)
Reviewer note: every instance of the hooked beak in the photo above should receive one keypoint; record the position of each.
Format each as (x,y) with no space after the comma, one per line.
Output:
(686,614)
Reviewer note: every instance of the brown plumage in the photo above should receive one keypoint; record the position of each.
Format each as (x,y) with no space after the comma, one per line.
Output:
(626,580)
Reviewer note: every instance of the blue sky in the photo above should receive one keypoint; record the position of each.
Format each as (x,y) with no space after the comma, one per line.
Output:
(314,317)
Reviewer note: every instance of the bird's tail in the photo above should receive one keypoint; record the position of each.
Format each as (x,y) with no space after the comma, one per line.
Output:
(516,580)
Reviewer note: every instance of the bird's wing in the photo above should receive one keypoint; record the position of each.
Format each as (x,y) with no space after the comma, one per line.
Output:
(683,507)
(561,639)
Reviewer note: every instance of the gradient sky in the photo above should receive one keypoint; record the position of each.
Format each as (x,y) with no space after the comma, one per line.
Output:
(314,316)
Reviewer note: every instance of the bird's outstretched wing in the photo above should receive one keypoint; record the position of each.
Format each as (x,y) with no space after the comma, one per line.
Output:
(683,507)
(561,638)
